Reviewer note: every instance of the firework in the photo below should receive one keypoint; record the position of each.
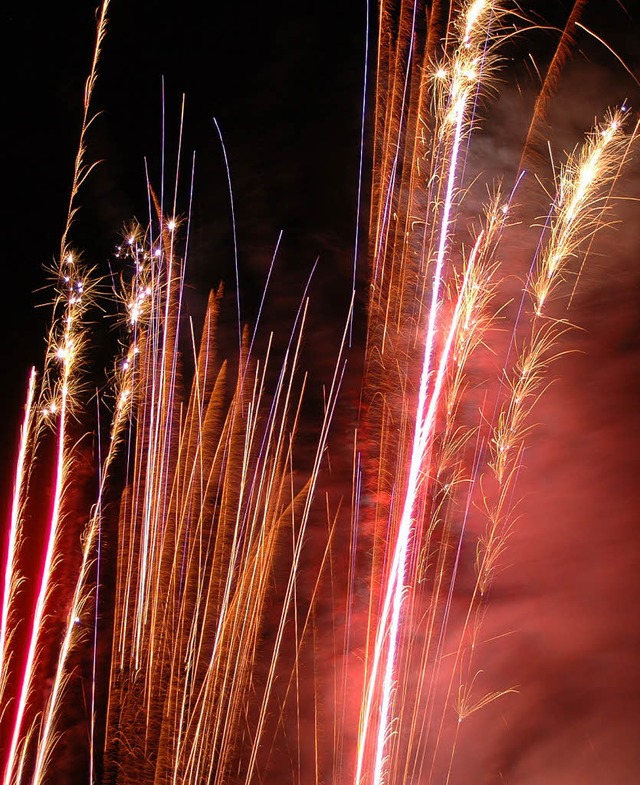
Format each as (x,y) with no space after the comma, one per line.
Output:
(262,623)
(429,467)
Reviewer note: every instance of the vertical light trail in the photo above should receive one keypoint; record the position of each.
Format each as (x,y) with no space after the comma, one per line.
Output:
(151,410)
(389,625)
(96,601)
(423,441)
(81,596)
(11,577)
(465,68)
(66,354)
(321,445)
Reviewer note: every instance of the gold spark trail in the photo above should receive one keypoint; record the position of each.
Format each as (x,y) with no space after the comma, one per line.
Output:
(12,578)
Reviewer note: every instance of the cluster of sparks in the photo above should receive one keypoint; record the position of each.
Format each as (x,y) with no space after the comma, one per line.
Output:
(212,628)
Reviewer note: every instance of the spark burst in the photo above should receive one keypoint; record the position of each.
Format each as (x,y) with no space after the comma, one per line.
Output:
(215,662)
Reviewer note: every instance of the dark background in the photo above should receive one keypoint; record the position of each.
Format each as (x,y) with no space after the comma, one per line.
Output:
(284,82)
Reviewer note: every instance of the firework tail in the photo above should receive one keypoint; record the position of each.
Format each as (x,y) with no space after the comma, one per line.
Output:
(416,155)
(211,497)
(76,628)
(462,76)
(64,350)
(12,577)
(67,350)
(584,187)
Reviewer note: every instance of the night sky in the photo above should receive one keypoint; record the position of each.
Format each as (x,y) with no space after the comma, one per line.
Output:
(285,83)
